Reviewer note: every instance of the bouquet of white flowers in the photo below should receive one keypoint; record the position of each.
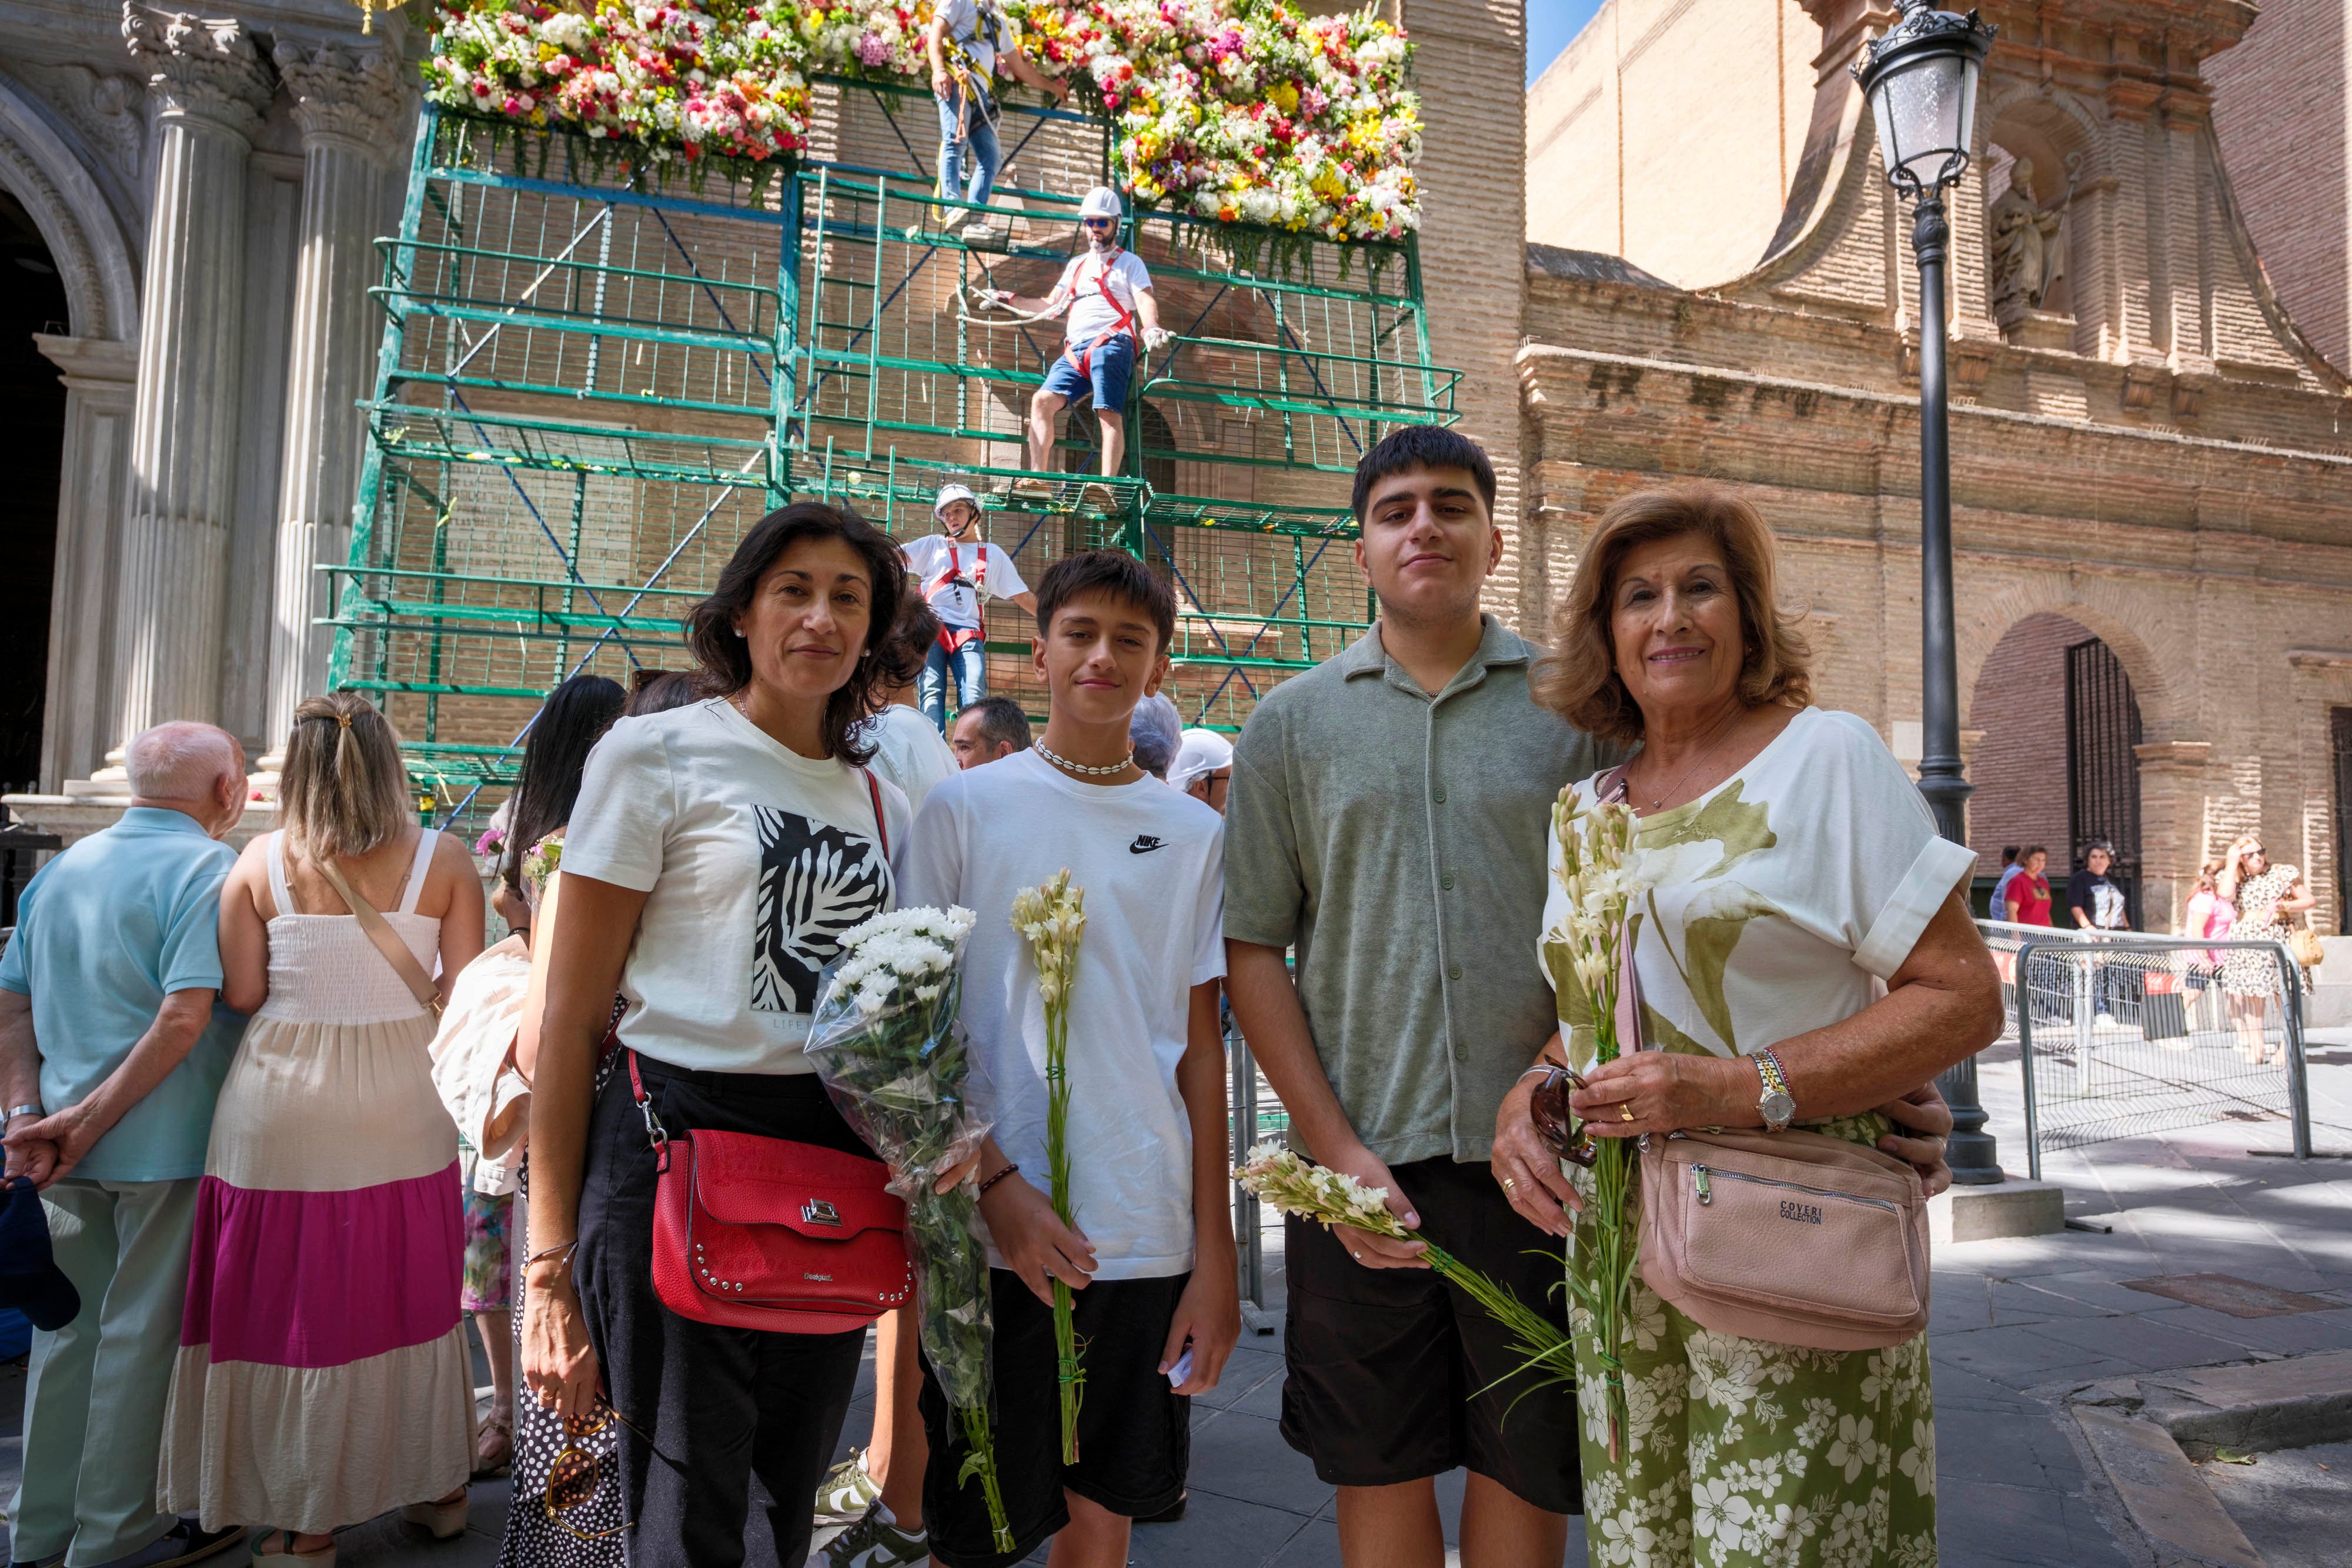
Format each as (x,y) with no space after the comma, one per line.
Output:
(1052,916)
(1334,1197)
(1599,871)
(885,1041)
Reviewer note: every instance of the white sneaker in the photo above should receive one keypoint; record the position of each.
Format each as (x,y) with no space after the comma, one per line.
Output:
(982,234)
(847,1492)
(876,1542)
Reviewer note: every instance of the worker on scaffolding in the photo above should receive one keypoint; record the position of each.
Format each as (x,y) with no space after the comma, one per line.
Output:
(1113,316)
(958,571)
(966,41)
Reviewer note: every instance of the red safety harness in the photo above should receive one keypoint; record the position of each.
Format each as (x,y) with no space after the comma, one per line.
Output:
(1125,327)
(955,639)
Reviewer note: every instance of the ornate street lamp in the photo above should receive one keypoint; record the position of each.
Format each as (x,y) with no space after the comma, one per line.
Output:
(1920,77)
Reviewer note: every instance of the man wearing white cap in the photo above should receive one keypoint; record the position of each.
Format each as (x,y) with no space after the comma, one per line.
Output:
(1203,768)
(958,571)
(1112,316)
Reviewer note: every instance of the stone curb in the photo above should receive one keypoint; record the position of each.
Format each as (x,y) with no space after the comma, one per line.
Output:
(2142,1431)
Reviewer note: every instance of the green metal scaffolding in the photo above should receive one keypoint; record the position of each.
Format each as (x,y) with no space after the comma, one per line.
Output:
(599,370)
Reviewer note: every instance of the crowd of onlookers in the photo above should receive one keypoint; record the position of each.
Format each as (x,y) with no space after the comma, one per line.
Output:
(2239,896)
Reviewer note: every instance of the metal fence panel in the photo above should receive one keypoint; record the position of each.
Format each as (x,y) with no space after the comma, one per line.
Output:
(2123,1035)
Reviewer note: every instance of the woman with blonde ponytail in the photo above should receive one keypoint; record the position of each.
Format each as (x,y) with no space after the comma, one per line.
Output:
(322,1375)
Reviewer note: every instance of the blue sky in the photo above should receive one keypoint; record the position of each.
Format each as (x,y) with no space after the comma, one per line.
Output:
(1551,24)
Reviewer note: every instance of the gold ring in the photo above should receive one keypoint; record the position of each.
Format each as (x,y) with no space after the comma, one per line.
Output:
(1624,1110)
(1508,1184)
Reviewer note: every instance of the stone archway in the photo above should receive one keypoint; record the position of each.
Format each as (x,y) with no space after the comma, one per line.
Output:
(2013,683)
(95,348)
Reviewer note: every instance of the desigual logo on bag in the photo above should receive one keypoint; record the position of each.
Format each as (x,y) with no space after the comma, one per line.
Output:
(1804,1213)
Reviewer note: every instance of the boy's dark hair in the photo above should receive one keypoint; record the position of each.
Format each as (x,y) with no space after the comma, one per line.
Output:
(2028,852)
(1422,446)
(1110,572)
(2008,854)
(1002,723)
(910,643)
(726,659)
(575,716)
(658,691)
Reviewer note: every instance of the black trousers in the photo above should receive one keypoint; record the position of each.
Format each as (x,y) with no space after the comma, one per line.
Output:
(729,1430)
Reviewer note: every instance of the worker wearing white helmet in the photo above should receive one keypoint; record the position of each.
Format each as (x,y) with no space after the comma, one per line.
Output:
(1204,767)
(959,571)
(1113,316)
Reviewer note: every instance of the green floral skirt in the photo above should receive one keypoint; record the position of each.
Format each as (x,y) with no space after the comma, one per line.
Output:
(1742,1452)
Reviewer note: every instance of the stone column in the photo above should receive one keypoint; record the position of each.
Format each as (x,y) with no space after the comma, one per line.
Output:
(347,100)
(171,592)
(100,374)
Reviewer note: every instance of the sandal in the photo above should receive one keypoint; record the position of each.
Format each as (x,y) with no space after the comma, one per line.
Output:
(443,1518)
(269,1551)
(494,1459)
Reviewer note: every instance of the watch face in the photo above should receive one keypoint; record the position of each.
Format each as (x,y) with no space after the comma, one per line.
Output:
(1777,1107)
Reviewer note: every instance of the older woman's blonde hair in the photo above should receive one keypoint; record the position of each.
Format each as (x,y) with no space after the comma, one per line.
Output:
(1580,680)
(341,791)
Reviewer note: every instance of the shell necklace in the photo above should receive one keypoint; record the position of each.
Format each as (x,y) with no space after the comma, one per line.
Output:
(1067,765)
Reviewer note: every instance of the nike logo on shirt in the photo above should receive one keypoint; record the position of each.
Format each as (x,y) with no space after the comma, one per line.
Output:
(1144,844)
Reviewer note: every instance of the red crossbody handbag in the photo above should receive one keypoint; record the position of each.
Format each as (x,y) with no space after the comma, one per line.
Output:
(764,1233)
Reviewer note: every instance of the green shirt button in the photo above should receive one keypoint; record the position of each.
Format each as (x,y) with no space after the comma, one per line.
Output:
(1437,794)
(1446,881)
(1452,971)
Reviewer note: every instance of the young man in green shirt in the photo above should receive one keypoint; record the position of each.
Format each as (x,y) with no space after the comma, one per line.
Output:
(1387,819)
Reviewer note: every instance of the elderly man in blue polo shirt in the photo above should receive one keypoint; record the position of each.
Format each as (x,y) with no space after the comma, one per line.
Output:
(111,1054)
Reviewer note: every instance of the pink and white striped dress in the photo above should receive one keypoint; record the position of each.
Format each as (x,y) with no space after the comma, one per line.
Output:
(322,1373)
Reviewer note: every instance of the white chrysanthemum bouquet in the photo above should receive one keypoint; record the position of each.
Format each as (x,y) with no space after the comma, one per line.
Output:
(1052,917)
(1599,874)
(1333,1198)
(883,1039)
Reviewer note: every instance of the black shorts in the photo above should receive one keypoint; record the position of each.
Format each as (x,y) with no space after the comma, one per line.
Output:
(1135,1432)
(1394,1374)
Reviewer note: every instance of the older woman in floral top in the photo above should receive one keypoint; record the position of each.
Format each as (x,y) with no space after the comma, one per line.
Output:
(1793,871)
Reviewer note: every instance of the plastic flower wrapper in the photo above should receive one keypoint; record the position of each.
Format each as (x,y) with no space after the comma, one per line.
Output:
(1052,917)
(885,1041)
(1599,871)
(1331,1198)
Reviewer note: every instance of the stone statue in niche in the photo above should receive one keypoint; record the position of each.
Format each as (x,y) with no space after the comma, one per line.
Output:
(2029,247)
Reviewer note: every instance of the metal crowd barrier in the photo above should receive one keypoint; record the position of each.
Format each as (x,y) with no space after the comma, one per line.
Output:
(1257,1115)
(2121,1034)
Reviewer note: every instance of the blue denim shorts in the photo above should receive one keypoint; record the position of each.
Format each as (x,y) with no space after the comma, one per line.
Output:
(1113,367)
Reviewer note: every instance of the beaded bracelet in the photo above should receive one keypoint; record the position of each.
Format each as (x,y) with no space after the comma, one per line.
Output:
(999,1177)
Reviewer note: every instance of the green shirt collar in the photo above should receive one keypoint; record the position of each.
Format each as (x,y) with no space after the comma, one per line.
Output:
(1498,645)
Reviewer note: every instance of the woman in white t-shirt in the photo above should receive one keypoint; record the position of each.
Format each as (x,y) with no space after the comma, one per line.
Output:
(907,750)
(716,856)
(1804,951)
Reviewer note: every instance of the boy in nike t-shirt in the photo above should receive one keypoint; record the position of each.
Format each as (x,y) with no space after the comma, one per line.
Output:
(1150,1256)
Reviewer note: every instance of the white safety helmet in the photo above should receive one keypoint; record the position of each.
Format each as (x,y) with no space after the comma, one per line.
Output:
(1102,201)
(950,494)
(1204,751)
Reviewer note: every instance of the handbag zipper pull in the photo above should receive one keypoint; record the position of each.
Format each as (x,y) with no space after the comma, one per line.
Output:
(1698,1176)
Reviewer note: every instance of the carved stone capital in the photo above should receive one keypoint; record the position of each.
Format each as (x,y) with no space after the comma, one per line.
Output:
(204,70)
(345,91)
(2182,757)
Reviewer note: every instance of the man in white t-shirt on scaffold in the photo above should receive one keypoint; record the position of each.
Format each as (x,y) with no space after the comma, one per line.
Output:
(958,571)
(1113,316)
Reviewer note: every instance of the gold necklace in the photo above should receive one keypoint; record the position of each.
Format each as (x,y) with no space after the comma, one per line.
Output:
(1706,750)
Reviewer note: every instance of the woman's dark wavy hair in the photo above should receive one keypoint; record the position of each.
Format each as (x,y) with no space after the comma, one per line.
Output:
(575,716)
(902,658)
(726,659)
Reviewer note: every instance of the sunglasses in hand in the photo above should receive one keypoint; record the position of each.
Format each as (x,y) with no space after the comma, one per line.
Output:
(1556,1125)
(572,1479)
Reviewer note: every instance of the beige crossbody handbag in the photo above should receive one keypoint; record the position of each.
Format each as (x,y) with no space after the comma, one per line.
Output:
(1795,1237)
(387,941)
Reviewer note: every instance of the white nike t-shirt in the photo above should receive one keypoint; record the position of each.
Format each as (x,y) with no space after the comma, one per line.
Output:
(953,601)
(1151,860)
(754,861)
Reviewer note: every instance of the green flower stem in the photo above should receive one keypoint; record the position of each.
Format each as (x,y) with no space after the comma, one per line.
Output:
(1068,1373)
(981,1462)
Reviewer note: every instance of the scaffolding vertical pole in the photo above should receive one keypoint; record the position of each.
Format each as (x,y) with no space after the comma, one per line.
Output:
(1249,1246)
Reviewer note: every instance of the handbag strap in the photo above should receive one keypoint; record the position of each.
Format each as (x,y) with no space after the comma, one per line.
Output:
(387,941)
(881,830)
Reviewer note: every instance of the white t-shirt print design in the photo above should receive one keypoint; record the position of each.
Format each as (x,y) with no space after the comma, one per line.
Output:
(816,884)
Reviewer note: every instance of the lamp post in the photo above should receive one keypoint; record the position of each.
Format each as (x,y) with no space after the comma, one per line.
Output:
(1920,77)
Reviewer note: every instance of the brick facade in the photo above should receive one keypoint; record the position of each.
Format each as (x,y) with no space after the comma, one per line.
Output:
(2283,109)
(2019,764)
(2164,463)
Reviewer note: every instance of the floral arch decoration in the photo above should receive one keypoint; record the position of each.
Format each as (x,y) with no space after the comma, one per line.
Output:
(1235,111)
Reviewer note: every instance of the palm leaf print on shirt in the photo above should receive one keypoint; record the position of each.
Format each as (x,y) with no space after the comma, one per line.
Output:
(1721,832)
(816,882)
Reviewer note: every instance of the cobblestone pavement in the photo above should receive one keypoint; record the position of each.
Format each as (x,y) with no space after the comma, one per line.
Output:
(2015,1323)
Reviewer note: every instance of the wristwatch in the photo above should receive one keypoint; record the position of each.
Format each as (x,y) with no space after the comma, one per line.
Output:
(1776,1105)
